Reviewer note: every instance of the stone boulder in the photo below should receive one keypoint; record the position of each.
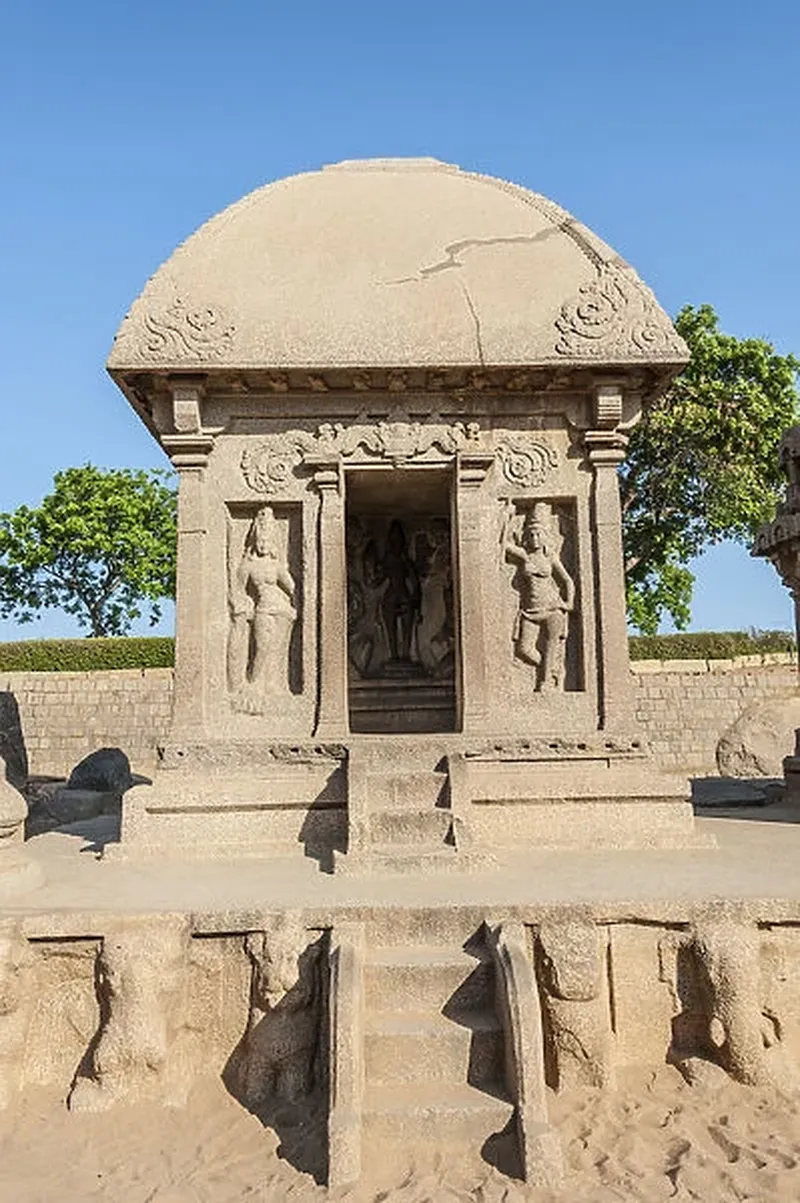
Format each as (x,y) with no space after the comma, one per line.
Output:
(755,745)
(12,742)
(95,787)
(108,771)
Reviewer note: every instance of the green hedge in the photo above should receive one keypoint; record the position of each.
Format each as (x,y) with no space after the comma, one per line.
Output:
(709,645)
(84,655)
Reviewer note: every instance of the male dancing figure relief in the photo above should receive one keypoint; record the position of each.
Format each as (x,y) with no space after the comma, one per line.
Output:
(546,597)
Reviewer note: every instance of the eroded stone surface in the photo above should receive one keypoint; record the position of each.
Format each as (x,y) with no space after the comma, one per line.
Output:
(141,987)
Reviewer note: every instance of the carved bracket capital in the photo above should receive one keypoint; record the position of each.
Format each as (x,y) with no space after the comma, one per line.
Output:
(190,450)
(187,397)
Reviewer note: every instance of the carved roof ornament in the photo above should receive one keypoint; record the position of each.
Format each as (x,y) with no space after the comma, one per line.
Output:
(177,333)
(615,314)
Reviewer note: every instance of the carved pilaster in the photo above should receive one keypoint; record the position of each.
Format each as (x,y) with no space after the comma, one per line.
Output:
(189,450)
(332,718)
(472,469)
(605,450)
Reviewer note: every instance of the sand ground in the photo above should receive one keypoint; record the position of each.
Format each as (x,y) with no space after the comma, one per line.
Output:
(654,1137)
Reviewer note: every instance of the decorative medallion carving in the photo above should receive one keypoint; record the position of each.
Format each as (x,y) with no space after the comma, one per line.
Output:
(181,332)
(615,313)
(266,469)
(527,466)
(267,465)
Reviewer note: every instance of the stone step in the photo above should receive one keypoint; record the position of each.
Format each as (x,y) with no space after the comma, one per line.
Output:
(410,790)
(426,978)
(403,753)
(433,1113)
(409,1046)
(426,828)
(404,927)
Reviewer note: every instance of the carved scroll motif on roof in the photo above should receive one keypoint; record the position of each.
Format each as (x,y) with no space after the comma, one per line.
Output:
(268,465)
(177,332)
(615,314)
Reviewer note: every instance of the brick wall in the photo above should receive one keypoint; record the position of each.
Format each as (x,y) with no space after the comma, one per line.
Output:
(682,705)
(67,715)
(685,705)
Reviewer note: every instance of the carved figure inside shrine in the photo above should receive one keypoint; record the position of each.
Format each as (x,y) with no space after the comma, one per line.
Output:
(397,395)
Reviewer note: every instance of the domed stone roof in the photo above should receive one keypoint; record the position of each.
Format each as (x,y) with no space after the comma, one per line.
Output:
(393,263)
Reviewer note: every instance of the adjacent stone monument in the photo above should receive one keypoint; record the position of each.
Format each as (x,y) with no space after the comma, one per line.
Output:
(397,395)
(779,542)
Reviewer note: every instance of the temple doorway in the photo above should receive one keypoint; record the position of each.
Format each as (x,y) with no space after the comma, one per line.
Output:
(401,626)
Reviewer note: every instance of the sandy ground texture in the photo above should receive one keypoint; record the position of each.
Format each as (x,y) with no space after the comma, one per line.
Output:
(653,1138)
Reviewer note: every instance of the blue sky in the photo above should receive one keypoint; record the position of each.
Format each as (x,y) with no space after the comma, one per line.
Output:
(672,130)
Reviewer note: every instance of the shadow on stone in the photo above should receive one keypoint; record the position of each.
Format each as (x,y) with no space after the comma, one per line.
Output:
(501,1150)
(761,798)
(324,829)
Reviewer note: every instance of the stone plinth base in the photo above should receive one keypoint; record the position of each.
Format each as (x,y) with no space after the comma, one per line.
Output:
(239,801)
(404,804)
(580,801)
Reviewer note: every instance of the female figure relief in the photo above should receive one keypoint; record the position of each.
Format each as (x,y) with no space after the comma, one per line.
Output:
(546,597)
(261,599)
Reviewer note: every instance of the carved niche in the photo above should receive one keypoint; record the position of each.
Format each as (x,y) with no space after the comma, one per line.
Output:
(400,619)
(263,609)
(533,542)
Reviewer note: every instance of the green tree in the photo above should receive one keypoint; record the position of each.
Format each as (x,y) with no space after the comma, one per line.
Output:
(101,546)
(702,465)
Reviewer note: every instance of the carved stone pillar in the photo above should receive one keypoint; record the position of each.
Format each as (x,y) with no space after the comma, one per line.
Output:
(189,449)
(472,469)
(605,446)
(332,715)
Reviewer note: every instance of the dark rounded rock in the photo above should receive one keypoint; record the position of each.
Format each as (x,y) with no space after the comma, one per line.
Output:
(107,770)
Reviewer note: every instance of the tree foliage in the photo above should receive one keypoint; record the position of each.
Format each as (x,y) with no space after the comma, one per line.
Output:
(101,546)
(702,466)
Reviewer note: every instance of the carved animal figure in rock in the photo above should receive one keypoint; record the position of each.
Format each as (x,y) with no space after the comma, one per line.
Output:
(15,988)
(571,964)
(546,597)
(278,1050)
(142,973)
(742,1037)
(261,593)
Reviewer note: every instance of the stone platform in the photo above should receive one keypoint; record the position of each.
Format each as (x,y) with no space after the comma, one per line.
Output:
(411,1005)
(754,861)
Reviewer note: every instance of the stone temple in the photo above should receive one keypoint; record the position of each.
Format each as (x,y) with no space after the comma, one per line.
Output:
(397,394)
(407,867)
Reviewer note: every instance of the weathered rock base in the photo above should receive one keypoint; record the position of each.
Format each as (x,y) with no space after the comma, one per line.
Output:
(434,1028)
